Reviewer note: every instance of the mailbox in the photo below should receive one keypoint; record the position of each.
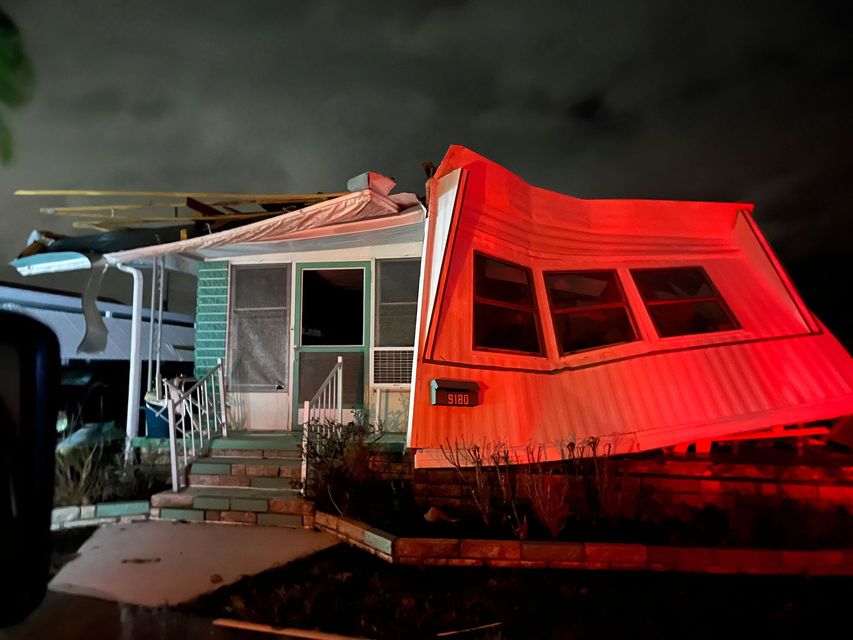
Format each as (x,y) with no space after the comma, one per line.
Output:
(454,393)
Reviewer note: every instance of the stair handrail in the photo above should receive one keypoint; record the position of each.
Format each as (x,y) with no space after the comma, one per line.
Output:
(328,398)
(203,407)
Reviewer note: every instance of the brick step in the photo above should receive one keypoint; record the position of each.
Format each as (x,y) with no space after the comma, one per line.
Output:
(258,445)
(273,508)
(238,471)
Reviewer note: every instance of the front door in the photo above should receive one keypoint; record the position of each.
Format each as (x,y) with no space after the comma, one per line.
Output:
(332,319)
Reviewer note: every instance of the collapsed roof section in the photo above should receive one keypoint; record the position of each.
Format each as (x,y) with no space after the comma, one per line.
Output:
(219,227)
(354,213)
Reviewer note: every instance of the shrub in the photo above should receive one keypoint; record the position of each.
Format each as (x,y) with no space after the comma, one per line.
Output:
(79,477)
(345,473)
(548,489)
(89,474)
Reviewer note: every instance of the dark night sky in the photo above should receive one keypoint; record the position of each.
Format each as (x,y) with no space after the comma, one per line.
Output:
(747,101)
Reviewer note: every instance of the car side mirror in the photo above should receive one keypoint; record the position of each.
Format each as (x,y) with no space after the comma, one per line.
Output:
(29,387)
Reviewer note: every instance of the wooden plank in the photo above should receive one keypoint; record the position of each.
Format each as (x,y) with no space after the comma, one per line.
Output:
(93,209)
(280,631)
(270,197)
(179,219)
(206,210)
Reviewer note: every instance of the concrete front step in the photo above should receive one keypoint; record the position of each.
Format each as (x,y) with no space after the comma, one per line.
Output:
(258,445)
(228,504)
(243,471)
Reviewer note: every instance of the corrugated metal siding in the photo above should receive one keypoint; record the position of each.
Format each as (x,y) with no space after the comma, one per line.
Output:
(648,401)
(211,315)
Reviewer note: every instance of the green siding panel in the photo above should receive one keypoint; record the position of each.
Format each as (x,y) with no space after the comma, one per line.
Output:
(211,315)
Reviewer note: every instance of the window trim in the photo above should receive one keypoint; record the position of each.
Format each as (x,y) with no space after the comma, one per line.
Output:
(534,309)
(595,307)
(717,297)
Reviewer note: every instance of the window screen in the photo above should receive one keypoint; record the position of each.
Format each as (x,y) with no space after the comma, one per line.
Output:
(396,302)
(589,310)
(683,301)
(259,328)
(505,316)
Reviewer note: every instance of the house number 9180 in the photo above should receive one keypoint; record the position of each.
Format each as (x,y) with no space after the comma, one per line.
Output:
(458,399)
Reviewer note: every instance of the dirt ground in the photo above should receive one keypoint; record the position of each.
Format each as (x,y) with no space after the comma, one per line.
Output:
(346,591)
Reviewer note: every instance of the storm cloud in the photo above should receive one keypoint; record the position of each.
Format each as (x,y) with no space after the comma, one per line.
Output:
(713,101)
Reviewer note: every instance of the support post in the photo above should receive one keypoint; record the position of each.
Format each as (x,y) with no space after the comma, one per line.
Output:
(173,446)
(133,385)
(339,390)
(150,372)
(307,424)
(223,407)
(159,343)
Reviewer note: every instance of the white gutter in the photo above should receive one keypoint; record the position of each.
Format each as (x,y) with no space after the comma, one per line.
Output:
(135,375)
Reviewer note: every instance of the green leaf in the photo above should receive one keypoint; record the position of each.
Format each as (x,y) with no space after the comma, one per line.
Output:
(7,146)
(17,77)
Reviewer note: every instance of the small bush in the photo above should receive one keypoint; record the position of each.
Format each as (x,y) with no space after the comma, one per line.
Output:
(91,474)
(79,477)
(345,474)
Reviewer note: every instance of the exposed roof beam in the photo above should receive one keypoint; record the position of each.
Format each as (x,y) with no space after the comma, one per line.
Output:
(269,197)
(205,210)
(101,219)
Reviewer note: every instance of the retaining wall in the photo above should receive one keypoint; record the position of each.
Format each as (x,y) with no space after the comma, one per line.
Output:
(594,556)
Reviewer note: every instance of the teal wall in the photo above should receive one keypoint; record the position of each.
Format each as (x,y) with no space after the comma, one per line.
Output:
(211,317)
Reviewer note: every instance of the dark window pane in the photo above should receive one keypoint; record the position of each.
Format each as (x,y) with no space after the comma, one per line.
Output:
(506,329)
(259,350)
(253,287)
(682,318)
(314,367)
(398,280)
(673,284)
(395,325)
(582,289)
(396,302)
(502,282)
(592,328)
(332,306)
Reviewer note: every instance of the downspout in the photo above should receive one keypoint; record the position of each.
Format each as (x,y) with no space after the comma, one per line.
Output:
(135,361)
(150,371)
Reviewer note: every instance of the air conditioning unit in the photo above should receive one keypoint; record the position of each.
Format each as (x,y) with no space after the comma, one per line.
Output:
(391,367)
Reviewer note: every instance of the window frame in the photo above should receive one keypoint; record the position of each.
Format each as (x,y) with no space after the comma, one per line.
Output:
(595,307)
(537,320)
(717,297)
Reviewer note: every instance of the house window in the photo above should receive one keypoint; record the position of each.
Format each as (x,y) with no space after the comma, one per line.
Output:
(396,302)
(683,301)
(589,310)
(505,316)
(258,328)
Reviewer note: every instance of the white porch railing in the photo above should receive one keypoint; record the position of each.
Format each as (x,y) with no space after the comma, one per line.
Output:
(327,406)
(196,415)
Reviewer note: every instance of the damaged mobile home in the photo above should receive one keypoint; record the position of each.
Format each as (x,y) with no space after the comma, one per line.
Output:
(501,312)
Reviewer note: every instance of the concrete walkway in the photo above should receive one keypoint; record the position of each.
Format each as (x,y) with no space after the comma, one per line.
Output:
(162,563)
